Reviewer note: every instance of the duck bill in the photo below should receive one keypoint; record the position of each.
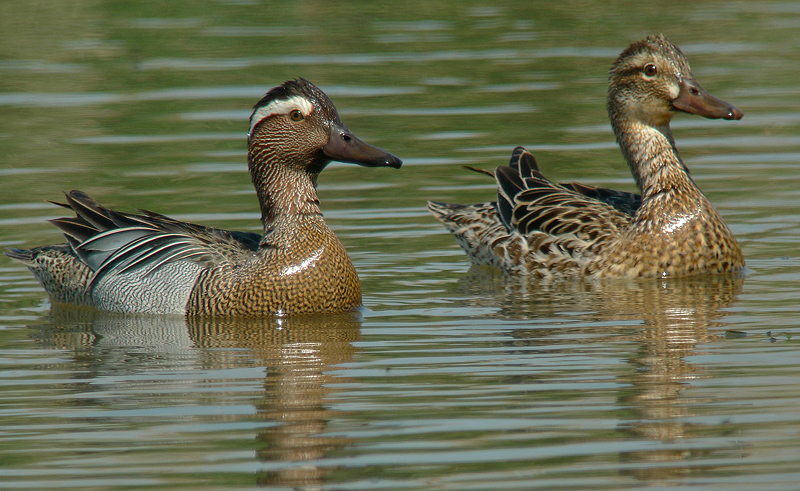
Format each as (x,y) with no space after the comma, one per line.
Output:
(694,99)
(344,146)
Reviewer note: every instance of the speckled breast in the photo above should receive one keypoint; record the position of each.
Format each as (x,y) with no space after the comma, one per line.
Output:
(693,241)
(306,276)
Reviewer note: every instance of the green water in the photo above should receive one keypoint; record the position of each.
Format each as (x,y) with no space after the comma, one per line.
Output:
(451,377)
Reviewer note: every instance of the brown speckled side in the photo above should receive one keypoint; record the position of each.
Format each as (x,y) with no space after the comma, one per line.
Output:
(61,273)
(282,278)
(544,229)
(151,263)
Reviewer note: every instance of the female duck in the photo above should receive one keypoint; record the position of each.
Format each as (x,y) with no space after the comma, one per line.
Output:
(151,263)
(540,228)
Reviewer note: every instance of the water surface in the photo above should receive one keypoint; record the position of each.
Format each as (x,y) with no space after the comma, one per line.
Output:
(451,377)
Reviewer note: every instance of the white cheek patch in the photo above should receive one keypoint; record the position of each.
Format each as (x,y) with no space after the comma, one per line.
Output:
(283,106)
(674,90)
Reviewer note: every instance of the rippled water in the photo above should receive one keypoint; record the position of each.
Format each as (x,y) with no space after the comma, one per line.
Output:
(450,377)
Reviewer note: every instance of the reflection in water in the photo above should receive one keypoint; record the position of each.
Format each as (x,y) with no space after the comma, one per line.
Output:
(297,352)
(666,318)
(677,316)
(115,97)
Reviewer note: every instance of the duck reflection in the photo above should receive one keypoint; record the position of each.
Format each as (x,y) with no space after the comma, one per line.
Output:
(667,319)
(298,353)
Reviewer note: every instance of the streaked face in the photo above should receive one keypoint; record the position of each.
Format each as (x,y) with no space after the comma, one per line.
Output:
(646,78)
(296,125)
(282,107)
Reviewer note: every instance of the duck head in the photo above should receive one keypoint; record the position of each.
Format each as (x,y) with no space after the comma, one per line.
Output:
(651,81)
(296,125)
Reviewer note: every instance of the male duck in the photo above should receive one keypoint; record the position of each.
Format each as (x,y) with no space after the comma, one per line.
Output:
(151,263)
(544,229)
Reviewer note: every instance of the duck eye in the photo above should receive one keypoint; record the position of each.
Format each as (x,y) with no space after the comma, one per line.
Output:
(296,115)
(650,70)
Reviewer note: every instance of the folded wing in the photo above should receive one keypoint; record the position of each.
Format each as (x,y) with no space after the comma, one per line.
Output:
(150,258)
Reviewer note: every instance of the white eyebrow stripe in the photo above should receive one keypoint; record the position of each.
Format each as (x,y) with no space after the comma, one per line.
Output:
(283,106)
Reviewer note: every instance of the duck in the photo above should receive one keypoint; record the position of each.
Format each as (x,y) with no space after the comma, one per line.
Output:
(148,263)
(544,229)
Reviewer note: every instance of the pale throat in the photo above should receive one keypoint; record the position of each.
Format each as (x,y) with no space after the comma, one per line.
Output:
(651,154)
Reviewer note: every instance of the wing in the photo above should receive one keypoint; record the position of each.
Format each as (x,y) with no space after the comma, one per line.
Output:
(111,242)
(529,203)
(537,227)
(622,201)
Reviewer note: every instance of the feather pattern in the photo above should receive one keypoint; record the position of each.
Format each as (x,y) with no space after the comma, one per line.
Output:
(155,264)
(113,242)
(540,228)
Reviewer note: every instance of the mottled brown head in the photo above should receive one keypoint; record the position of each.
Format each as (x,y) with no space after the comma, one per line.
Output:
(651,81)
(296,125)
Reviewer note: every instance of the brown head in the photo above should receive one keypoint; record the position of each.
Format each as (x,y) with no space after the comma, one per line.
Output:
(296,124)
(651,81)
(295,131)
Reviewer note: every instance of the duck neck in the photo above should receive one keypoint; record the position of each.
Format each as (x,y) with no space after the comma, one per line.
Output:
(285,192)
(652,157)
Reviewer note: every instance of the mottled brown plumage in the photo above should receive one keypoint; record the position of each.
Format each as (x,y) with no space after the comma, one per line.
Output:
(155,264)
(303,269)
(540,228)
